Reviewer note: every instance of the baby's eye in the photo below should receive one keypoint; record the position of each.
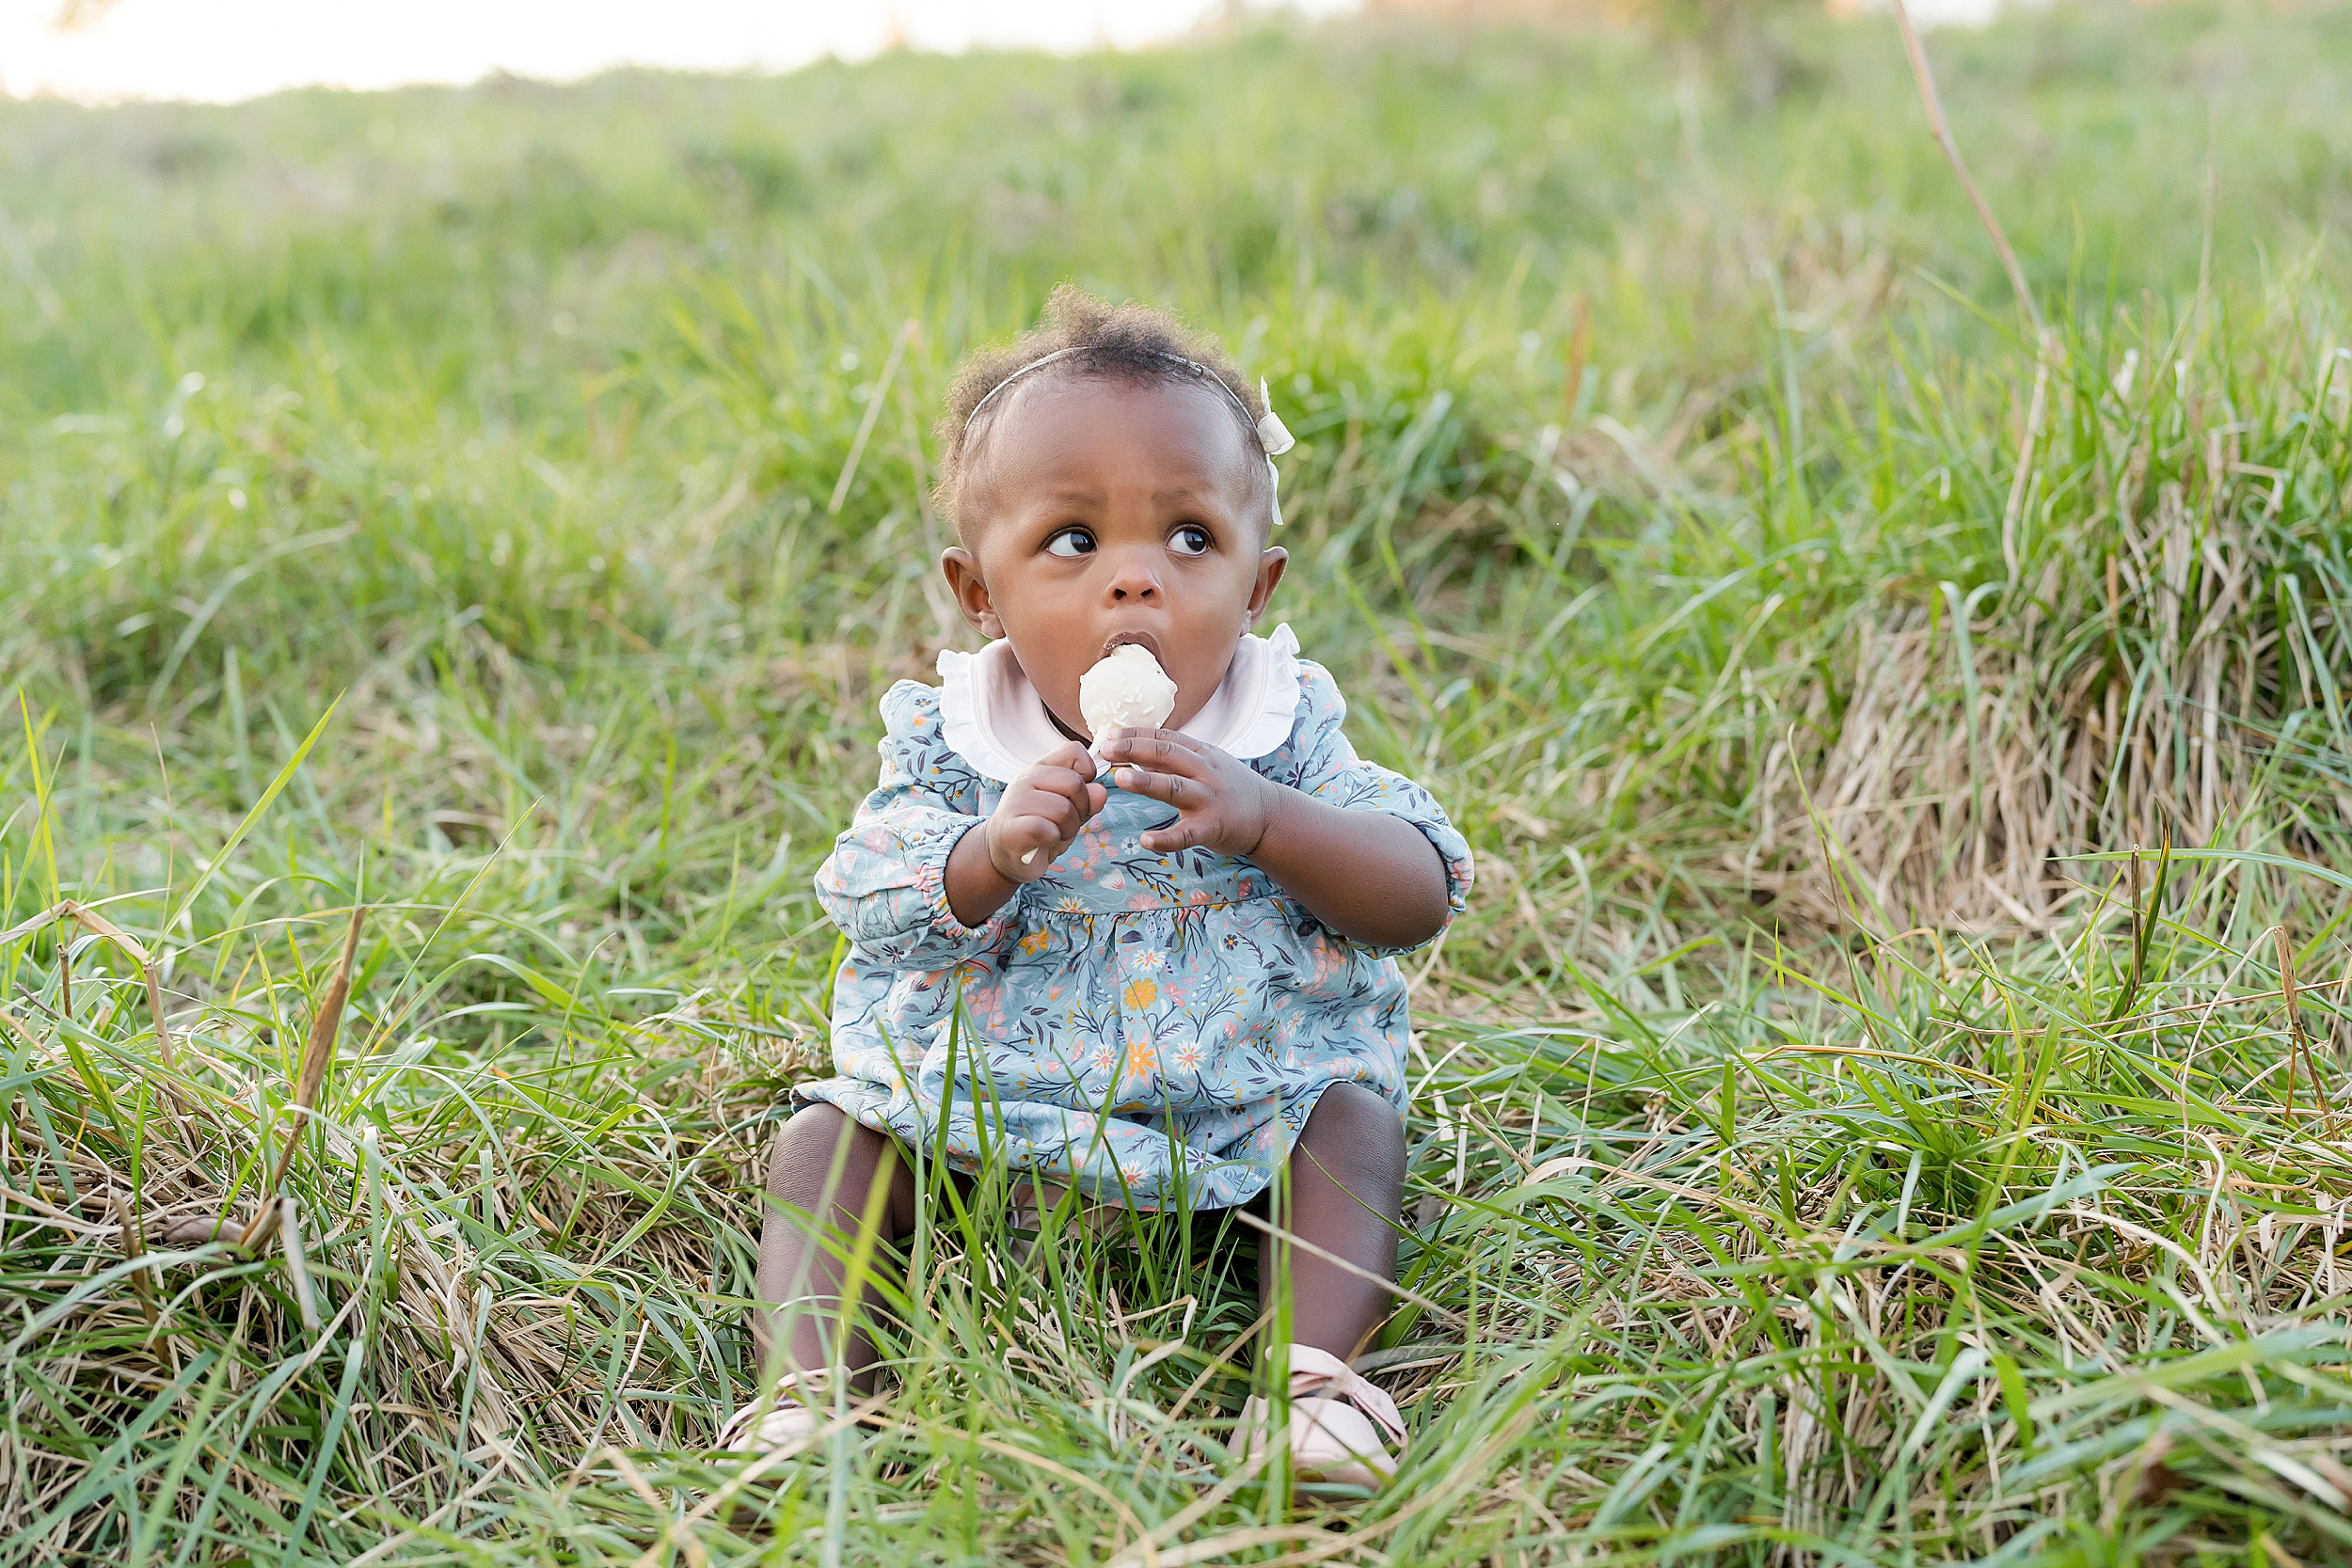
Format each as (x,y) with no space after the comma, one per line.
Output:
(1191,539)
(1070,543)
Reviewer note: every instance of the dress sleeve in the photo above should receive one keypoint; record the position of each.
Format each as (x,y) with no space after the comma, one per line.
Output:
(1318,760)
(885,883)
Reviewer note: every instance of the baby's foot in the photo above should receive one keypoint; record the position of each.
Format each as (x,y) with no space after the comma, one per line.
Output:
(1337,1420)
(766,1425)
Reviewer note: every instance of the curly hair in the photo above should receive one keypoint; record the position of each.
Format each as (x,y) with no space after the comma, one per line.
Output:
(1128,342)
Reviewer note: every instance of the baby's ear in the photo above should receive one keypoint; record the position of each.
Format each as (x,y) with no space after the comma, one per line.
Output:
(1270,565)
(964,580)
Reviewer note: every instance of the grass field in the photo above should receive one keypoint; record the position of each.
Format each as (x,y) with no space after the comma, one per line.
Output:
(1887,1100)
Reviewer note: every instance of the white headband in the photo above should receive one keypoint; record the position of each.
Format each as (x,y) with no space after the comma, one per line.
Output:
(1274,437)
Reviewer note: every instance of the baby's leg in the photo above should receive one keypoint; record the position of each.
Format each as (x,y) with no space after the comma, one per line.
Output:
(825,1165)
(1346,1191)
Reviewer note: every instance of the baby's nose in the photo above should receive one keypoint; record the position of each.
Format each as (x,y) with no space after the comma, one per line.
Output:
(1133,580)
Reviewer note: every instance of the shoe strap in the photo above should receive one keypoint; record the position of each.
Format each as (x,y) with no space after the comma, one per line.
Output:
(1318,1373)
(791,1389)
(792,1385)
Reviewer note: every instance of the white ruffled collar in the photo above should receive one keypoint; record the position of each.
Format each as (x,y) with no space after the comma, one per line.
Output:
(996,722)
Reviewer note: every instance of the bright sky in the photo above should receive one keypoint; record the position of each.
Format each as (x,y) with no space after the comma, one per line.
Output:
(224,50)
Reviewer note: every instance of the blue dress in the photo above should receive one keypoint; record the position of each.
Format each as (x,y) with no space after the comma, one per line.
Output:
(1150,1029)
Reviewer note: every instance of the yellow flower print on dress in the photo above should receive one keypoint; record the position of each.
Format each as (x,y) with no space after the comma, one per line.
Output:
(1140,993)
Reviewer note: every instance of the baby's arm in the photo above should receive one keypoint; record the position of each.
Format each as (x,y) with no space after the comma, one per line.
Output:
(1369,876)
(895,881)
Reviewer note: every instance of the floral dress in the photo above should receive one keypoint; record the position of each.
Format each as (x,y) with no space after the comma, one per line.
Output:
(1151,1029)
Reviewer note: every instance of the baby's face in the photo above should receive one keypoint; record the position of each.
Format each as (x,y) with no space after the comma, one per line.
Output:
(1107,511)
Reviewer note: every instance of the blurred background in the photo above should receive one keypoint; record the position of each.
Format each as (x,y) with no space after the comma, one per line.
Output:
(580,430)
(108,50)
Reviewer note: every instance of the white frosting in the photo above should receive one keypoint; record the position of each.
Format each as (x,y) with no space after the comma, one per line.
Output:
(1125,691)
(995,720)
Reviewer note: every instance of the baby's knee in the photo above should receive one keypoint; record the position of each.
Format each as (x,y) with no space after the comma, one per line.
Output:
(1358,1126)
(1359,1110)
(807,1140)
(822,1154)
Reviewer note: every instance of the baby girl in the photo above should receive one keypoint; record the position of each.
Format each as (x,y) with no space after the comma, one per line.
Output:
(1172,948)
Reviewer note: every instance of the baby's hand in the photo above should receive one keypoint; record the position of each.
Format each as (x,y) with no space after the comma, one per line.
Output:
(1221,803)
(1042,814)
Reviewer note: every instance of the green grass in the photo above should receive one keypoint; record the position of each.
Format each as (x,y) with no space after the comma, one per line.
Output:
(1831,1144)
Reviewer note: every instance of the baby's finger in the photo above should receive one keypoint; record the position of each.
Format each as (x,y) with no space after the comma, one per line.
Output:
(1059,780)
(1072,755)
(1061,785)
(1031,837)
(1182,833)
(1165,750)
(1174,788)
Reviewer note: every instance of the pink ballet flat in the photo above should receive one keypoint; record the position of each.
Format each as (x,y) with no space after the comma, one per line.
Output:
(768,1424)
(1337,1420)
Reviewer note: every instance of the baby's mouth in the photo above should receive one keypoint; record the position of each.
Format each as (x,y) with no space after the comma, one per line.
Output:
(1143,640)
